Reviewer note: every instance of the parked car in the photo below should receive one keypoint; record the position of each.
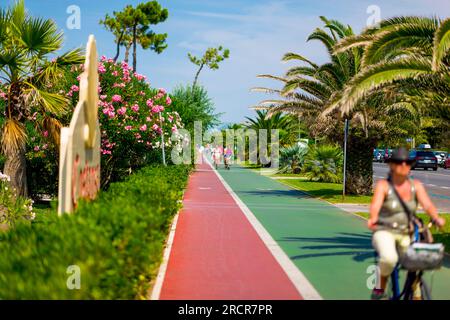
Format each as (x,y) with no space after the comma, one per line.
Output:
(378,155)
(446,164)
(441,156)
(423,159)
(387,154)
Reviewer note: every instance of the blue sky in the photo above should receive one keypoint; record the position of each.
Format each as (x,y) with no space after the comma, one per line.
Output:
(257,32)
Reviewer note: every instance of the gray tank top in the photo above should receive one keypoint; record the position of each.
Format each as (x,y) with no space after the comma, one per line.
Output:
(392,212)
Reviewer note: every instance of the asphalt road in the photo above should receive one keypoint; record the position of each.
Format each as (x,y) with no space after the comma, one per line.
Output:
(437,183)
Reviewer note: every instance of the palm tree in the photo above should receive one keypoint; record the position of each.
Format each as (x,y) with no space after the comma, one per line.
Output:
(309,88)
(408,57)
(26,45)
(286,124)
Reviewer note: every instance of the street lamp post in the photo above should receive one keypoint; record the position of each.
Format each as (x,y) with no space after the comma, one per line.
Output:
(345,157)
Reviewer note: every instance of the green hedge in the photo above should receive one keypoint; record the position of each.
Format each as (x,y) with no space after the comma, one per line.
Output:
(117,241)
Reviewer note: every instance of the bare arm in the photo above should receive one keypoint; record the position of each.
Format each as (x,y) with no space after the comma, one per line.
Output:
(377,202)
(427,204)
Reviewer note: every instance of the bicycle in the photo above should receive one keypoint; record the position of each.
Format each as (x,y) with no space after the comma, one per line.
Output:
(226,161)
(413,278)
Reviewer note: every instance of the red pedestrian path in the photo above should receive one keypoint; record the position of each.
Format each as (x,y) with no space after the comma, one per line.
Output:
(216,253)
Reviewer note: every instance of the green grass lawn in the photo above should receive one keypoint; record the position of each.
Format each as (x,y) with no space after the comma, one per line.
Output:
(290,175)
(331,192)
(440,236)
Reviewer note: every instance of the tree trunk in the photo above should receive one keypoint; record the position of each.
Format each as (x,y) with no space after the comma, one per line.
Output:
(134,48)
(118,46)
(359,173)
(16,168)
(196,77)
(127,52)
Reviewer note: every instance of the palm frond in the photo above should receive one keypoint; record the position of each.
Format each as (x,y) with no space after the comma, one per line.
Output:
(441,44)
(269,76)
(381,74)
(295,56)
(14,136)
(49,102)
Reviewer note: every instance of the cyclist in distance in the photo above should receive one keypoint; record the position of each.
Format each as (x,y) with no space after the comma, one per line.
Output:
(389,220)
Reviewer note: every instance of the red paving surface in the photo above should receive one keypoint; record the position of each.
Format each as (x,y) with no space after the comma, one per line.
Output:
(216,253)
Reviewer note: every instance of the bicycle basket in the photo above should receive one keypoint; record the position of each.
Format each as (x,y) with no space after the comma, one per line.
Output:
(423,256)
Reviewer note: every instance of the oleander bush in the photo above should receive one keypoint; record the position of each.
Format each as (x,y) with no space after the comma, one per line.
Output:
(116,241)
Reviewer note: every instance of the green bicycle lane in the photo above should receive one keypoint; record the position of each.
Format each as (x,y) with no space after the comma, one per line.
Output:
(331,247)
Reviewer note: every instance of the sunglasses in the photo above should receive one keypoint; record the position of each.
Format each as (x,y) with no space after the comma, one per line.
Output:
(407,162)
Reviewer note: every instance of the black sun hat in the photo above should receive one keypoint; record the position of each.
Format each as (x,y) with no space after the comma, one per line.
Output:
(400,155)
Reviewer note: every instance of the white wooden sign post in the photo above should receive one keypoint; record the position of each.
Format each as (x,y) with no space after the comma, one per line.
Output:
(79,161)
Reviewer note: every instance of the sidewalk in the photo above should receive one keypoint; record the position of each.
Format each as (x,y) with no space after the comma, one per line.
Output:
(216,253)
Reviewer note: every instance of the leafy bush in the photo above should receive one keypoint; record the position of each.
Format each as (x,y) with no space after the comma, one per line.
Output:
(116,241)
(292,159)
(132,118)
(324,164)
(13,209)
(194,105)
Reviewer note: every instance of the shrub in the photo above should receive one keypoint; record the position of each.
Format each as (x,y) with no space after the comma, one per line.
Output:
(13,209)
(324,164)
(116,241)
(194,105)
(292,159)
(132,117)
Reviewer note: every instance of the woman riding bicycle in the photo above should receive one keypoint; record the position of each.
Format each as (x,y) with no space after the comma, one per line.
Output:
(227,154)
(388,218)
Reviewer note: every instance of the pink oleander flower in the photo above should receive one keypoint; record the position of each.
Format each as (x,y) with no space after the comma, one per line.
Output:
(141,93)
(149,119)
(105,110)
(106,151)
(143,128)
(75,88)
(36,148)
(150,103)
(115,73)
(116,98)
(135,108)
(174,129)
(162,91)
(111,114)
(45,133)
(79,78)
(170,118)
(103,58)
(128,128)
(70,93)
(155,127)
(168,101)
(122,111)
(157,108)
(44,147)
(101,68)
(103,97)
(139,76)
(138,136)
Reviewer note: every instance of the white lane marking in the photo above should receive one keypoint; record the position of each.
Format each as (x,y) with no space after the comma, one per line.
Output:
(156,292)
(204,188)
(430,185)
(301,283)
(445,187)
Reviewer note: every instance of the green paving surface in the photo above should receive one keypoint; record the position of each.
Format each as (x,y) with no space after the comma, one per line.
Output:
(331,247)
